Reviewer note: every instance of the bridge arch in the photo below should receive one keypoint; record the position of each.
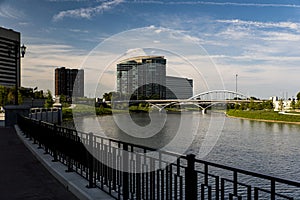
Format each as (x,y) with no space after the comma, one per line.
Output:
(215,94)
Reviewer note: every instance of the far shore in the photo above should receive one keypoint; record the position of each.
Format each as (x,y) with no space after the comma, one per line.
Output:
(263,120)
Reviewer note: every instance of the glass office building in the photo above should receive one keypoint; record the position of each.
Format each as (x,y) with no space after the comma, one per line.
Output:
(69,82)
(142,77)
(179,88)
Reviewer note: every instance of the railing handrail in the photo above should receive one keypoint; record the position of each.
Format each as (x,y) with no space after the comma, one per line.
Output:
(251,173)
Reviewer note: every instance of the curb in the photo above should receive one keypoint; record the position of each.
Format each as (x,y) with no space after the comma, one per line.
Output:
(72,181)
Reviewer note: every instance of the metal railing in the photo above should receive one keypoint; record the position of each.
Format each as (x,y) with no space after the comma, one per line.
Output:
(129,171)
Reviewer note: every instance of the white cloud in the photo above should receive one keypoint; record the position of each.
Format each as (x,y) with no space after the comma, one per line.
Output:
(87,12)
(218,3)
(289,25)
(78,31)
(7,11)
(41,60)
(281,36)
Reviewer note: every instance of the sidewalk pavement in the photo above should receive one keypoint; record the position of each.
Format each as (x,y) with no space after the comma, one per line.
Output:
(72,181)
(22,176)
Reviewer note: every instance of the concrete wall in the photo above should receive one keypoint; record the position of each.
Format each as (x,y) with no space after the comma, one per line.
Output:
(12,111)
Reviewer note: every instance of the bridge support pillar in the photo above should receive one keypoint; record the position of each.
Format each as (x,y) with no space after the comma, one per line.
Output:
(204,111)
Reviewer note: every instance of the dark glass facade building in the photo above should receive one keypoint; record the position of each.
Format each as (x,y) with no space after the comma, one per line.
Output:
(9,58)
(142,77)
(69,82)
(179,88)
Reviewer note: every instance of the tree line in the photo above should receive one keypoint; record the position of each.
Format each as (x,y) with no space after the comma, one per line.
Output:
(7,95)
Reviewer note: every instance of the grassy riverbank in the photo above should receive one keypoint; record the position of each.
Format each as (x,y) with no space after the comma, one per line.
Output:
(84,110)
(263,115)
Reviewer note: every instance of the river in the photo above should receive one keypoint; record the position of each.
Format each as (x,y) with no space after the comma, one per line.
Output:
(263,147)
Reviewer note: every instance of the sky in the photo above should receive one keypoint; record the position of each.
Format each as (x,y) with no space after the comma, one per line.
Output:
(209,41)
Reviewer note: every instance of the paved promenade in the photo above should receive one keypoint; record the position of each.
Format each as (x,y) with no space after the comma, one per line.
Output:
(22,176)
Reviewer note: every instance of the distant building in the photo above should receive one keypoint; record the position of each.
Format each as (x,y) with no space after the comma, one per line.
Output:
(143,76)
(280,104)
(69,82)
(179,88)
(9,57)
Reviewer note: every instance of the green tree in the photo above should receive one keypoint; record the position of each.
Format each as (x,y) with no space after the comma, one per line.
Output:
(49,100)
(281,104)
(63,101)
(237,106)
(251,105)
(20,98)
(258,106)
(298,96)
(3,95)
(243,106)
(268,105)
(38,94)
(10,97)
(298,104)
(293,104)
(107,96)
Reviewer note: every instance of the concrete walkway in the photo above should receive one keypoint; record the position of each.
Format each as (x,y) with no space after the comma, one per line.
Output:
(72,181)
(22,176)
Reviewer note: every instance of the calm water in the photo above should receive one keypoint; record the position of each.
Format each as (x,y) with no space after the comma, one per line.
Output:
(268,148)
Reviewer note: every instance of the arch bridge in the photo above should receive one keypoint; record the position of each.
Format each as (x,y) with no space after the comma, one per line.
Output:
(203,100)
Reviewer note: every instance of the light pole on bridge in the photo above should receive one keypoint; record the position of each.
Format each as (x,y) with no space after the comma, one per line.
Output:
(236,75)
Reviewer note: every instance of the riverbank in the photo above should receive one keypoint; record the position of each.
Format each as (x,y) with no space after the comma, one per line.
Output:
(264,116)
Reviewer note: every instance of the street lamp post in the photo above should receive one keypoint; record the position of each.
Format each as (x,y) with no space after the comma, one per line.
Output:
(17,50)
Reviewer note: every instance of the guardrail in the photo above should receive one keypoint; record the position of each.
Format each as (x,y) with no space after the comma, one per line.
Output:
(129,171)
(51,115)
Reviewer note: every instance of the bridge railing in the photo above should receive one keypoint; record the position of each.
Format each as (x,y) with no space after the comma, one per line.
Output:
(129,171)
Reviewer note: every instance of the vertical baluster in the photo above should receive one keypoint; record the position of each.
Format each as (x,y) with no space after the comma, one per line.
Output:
(54,149)
(249,193)
(152,179)
(114,171)
(255,193)
(217,188)
(162,183)
(109,165)
(125,172)
(222,189)
(138,176)
(91,162)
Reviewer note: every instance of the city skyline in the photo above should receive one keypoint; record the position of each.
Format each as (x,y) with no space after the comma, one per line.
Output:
(256,40)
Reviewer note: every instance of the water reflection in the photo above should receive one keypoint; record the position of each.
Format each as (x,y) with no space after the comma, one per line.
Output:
(268,148)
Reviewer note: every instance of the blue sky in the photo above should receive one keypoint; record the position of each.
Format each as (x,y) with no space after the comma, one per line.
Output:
(258,40)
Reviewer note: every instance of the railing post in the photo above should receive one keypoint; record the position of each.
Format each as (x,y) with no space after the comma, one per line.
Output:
(91,161)
(273,194)
(125,184)
(55,159)
(190,178)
